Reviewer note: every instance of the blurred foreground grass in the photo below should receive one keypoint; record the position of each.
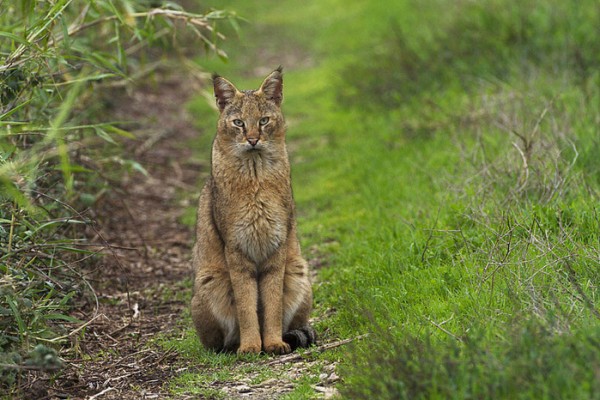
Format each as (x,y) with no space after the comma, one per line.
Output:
(59,151)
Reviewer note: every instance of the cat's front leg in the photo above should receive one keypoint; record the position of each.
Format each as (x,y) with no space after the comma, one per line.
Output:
(243,275)
(270,289)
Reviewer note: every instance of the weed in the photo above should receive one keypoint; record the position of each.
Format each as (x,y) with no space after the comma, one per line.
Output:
(57,56)
(473,42)
(519,364)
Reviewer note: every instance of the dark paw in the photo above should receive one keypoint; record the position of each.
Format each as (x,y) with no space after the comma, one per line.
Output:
(303,337)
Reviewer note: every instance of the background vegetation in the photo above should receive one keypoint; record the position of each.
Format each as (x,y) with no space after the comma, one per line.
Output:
(58,58)
(445,168)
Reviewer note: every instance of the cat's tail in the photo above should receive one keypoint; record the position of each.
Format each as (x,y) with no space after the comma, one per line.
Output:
(301,337)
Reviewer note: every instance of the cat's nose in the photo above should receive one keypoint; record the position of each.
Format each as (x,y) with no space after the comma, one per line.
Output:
(252,141)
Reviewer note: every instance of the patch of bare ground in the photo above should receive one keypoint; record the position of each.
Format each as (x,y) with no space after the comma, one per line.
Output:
(146,253)
(138,281)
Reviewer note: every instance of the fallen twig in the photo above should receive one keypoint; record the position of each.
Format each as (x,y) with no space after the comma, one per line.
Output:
(56,339)
(101,393)
(318,349)
(447,332)
(525,174)
(572,276)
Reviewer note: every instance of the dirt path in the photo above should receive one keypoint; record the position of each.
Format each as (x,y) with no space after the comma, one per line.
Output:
(138,288)
(146,257)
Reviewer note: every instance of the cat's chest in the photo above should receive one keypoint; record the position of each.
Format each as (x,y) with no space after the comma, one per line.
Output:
(260,224)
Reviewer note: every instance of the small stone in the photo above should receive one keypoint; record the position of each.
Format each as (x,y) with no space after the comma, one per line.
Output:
(333,378)
(331,392)
(329,368)
(268,382)
(243,389)
(328,392)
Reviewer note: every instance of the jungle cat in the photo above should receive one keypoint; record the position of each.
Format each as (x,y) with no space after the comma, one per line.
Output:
(252,290)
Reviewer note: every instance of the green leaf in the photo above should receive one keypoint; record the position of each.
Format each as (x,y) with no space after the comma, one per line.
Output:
(63,317)
(91,78)
(14,37)
(222,55)
(120,131)
(9,190)
(104,135)
(15,309)
(137,167)
(235,25)
(52,223)
(74,250)
(15,109)
(79,168)
(101,61)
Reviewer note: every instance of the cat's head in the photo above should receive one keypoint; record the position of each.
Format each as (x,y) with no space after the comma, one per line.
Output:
(250,120)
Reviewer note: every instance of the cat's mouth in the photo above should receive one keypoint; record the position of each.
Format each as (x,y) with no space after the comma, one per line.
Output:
(253,148)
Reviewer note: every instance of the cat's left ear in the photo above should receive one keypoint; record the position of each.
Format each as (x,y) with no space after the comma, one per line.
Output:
(224,91)
(272,86)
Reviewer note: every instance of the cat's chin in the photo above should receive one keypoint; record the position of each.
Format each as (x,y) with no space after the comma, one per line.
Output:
(253,149)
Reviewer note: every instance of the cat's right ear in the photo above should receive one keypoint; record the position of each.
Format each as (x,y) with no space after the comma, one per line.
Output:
(224,91)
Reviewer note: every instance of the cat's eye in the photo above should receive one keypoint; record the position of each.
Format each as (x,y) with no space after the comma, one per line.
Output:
(263,121)
(238,122)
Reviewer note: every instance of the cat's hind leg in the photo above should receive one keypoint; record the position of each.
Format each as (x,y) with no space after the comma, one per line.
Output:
(297,305)
(213,312)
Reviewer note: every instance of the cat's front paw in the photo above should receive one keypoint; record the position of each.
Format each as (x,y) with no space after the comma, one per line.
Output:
(279,347)
(251,348)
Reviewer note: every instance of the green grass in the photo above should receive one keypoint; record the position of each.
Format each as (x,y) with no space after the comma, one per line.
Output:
(445,169)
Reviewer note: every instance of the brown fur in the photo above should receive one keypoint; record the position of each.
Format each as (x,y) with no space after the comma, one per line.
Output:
(251,282)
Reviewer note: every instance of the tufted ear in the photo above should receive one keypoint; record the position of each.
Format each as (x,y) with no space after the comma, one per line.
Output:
(224,91)
(272,86)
